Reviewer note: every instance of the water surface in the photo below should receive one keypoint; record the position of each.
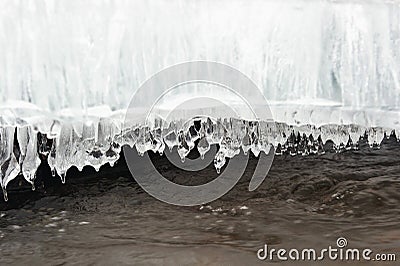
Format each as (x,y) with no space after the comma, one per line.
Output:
(106,218)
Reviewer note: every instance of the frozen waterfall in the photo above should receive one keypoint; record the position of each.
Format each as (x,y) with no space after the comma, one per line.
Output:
(69,68)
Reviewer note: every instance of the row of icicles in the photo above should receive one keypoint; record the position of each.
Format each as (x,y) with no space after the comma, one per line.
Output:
(20,155)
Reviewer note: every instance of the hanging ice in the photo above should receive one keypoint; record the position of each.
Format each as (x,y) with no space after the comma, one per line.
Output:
(8,162)
(29,156)
(329,69)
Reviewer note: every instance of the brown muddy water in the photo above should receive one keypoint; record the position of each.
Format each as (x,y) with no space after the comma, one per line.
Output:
(105,218)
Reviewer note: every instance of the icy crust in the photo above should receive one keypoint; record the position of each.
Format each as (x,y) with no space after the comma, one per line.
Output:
(97,143)
(301,112)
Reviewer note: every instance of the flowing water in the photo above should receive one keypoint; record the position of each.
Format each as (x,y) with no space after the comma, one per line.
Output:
(106,218)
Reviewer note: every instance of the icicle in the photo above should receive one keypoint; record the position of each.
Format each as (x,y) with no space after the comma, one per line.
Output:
(63,175)
(5,196)
(246,143)
(171,140)
(29,157)
(203,147)
(9,167)
(183,146)
(219,161)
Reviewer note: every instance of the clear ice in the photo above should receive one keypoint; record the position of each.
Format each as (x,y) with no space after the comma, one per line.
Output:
(68,69)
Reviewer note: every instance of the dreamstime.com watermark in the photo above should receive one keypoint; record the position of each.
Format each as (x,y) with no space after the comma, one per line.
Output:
(340,252)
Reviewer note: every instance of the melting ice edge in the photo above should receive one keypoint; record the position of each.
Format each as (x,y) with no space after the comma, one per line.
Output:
(96,144)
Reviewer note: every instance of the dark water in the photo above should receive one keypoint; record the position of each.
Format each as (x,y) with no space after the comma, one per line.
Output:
(105,218)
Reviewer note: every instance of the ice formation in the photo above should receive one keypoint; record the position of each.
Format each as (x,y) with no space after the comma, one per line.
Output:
(329,69)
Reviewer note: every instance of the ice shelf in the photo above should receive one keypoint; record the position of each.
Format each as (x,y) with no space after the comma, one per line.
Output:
(98,143)
(68,70)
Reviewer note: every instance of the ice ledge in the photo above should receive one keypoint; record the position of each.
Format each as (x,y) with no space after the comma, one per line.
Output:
(296,113)
(97,142)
